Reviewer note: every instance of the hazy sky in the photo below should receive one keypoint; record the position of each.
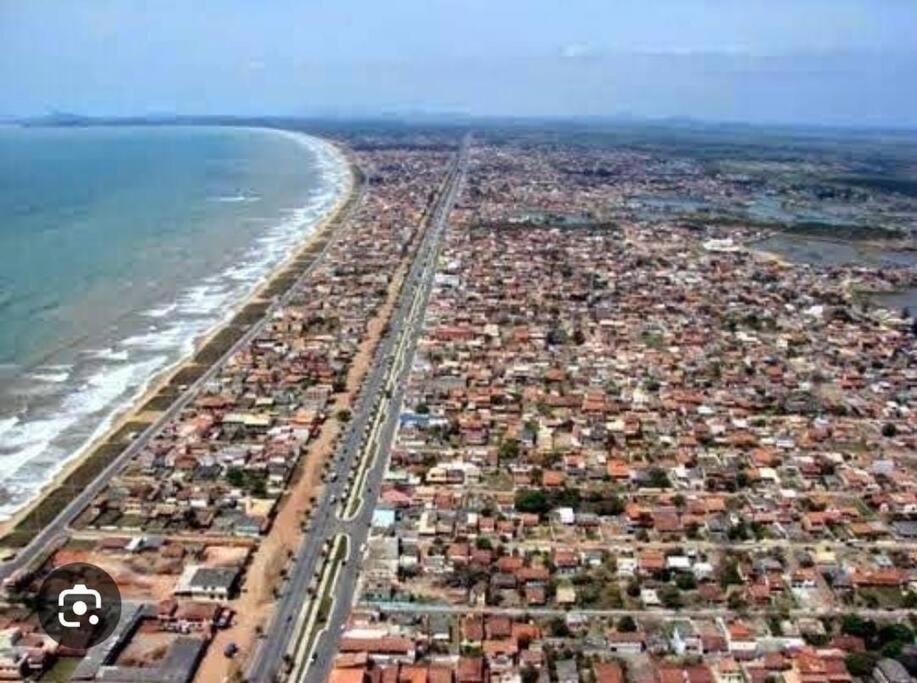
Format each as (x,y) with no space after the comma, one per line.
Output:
(808,61)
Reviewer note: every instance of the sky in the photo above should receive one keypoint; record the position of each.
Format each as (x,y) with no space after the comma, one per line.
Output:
(825,62)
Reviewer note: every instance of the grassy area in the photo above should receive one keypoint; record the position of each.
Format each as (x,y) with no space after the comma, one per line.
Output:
(130,430)
(187,375)
(80,544)
(62,670)
(51,505)
(160,401)
(324,611)
(217,347)
(880,598)
(325,601)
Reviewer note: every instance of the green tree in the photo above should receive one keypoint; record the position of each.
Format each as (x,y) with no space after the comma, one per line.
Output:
(686,581)
(657,478)
(855,625)
(235,477)
(729,576)
(558,628)
(670,597)
(626,624)
(860,663)
(509,449)
(532,500)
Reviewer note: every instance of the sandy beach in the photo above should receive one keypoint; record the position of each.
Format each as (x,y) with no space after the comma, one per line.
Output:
(134,412)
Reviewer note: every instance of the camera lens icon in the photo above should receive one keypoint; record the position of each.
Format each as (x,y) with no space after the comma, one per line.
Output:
(79,605)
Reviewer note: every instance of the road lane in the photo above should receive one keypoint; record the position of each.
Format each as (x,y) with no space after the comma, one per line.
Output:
(267,664)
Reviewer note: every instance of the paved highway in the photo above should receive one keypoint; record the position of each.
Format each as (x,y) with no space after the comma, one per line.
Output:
(56,529)
(390,366)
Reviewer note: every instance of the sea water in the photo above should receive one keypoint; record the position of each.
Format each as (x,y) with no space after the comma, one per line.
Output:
(120,247)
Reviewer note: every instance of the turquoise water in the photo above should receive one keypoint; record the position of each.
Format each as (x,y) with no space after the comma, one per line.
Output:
(119,247)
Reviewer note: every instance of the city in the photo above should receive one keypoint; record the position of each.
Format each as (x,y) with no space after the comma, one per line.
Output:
(511,416)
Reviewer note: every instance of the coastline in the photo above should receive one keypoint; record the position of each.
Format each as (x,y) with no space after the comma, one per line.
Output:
(137,410)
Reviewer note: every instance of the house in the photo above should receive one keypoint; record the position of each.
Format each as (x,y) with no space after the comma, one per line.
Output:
(564,516)
(565,561)
(626,643)
(470,670)
(740,639)
(891,671)
(383,650)
(727,670)
(565,594)
(607,672)
(207,583)
(685,638)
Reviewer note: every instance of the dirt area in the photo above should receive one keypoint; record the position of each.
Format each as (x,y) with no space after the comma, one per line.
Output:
(147,648)
(224,556)
(253,607)
(145,576)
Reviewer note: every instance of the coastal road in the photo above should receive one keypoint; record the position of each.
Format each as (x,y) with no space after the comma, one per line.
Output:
(358,525)
(56,529)
(381,390)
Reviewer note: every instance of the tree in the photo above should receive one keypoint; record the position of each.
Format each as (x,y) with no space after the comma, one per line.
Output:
(532,500)
(729,576)
(860,663)
(559,628)
(509,449)
(658,479)
(259,488)
(626,624)
(609,506)
(738,532)
(343,415)
(686,582)
(235,477)
(670,597)
(735,601)
(855,625)
(889,431)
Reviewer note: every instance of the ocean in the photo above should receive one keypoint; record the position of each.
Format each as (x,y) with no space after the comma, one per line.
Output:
(120,248)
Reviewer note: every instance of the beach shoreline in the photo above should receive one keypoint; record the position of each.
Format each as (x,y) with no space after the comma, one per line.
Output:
(135,410)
